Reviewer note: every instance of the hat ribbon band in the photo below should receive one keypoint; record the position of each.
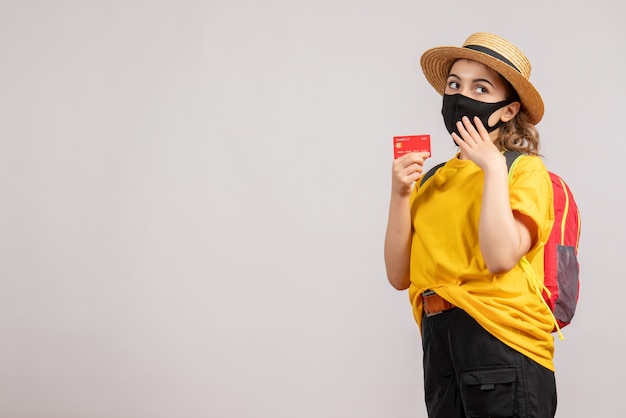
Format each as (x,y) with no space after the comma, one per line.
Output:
(492,53)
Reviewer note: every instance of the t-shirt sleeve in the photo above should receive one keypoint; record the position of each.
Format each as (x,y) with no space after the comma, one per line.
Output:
(530,191)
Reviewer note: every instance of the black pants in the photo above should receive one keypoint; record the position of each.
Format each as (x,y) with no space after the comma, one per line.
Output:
(468,373)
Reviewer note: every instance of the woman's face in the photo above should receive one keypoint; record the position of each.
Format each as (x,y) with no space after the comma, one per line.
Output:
(476,81)
(479,82)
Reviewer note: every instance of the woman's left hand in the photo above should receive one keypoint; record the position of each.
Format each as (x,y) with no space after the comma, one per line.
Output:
(476,144)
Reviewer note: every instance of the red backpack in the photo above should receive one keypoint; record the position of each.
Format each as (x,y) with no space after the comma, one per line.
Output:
(560,265)
(561,286)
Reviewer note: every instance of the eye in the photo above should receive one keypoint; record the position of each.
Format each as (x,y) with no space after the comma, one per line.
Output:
(453,85)
(481,90)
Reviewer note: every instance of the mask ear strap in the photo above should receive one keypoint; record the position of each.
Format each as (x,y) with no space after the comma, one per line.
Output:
(502,104)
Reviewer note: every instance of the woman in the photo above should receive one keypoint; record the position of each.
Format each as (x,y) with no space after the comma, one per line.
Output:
(460,240)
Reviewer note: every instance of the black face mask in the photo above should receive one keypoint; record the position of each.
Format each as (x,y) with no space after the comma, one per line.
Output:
(455,106)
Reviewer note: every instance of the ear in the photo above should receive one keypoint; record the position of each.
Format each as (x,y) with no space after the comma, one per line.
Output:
(510,111)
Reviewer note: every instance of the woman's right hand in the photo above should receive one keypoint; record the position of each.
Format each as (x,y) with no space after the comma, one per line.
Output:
(406,170)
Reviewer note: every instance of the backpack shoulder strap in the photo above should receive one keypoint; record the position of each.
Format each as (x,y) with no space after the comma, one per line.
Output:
(430,172)
(511,156)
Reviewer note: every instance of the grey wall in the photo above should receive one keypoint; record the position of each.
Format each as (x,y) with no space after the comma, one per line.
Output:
(194,197)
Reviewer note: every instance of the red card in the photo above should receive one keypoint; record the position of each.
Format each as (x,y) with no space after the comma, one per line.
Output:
(410,143)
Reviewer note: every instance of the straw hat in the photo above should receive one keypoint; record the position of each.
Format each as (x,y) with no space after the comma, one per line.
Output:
(497,54)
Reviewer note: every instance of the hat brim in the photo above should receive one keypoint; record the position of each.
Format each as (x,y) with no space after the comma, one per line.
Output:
(436,64)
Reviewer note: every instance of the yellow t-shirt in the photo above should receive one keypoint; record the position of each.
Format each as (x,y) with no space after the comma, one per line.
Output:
(446,257)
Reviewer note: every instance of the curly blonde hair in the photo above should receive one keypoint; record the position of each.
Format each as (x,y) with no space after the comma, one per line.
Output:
(518,135)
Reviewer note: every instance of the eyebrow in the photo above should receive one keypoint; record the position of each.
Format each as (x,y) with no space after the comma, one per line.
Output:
(477,80)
